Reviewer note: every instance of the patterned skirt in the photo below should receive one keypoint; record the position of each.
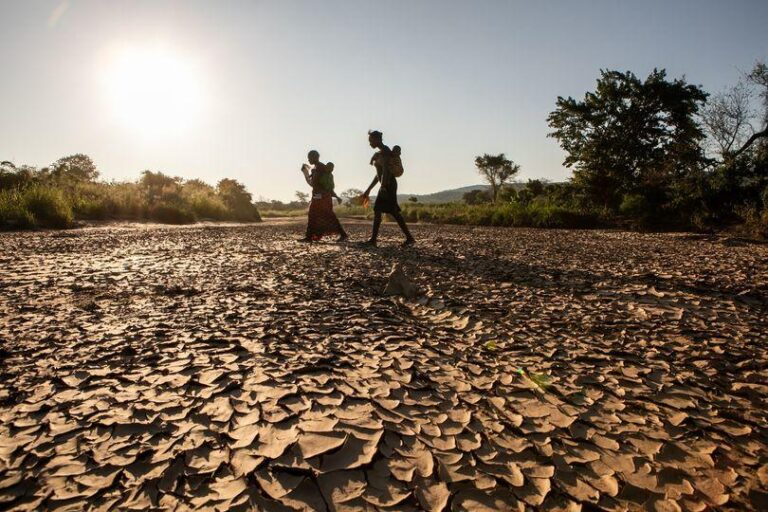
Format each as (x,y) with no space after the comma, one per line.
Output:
(322,220)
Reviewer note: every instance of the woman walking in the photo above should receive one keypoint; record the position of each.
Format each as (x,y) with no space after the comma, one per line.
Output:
(322,220)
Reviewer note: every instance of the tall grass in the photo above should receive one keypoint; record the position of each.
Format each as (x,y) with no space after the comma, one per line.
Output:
(35,206)
(341,212)
(538,215)
(56,205)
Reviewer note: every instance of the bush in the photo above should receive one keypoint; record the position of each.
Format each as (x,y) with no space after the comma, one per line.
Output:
(13,212)
(534,214)
(93,209)
(171,214)
(34,206)
(210,208)
(48,206)
(639,210)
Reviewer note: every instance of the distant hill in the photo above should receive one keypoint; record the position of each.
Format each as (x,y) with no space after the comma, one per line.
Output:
(444,196)
(449,196)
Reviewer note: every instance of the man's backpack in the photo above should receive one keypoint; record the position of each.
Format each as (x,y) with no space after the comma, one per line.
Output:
(395,162)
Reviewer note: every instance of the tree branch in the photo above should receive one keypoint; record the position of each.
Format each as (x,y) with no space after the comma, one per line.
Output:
(750,141)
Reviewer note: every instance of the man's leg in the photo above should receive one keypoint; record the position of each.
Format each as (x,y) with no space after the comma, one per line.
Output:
(404,227)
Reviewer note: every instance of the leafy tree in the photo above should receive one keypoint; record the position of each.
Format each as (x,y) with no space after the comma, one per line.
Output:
(302,197)
(536,187)
(477,196)
(157,187)
(630,136)
(198,186)
(237,199)
(74,168)
(508,194)
(203,201)
(497,171)
(413,199)
(8,175)
(351,196)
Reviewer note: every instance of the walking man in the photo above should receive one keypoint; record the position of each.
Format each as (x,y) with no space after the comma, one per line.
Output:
(386,199)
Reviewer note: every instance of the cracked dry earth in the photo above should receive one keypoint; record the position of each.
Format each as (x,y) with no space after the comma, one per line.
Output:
(231,368)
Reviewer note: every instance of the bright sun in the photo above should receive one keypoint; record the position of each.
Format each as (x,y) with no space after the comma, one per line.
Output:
(153,91)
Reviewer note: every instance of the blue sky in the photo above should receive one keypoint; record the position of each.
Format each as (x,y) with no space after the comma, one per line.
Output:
(245,89)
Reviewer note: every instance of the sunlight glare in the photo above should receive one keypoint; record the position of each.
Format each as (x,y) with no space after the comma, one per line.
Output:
(153,92)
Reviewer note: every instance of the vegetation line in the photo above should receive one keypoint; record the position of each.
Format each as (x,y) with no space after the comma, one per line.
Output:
(68,190)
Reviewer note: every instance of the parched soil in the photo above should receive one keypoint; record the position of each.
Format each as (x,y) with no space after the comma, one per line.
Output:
(232,368)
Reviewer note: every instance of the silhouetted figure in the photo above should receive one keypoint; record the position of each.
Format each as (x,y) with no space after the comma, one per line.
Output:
(386,200)
(321,220)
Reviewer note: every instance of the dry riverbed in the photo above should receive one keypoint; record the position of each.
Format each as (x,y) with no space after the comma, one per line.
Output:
(232,368)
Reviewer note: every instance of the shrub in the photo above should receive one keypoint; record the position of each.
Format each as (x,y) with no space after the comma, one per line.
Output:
(93,208)
(206,207)
(534,214)
(639,210)
(48,206)
(171,214)
(13,212)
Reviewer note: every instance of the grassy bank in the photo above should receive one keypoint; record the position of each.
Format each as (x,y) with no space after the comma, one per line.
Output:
(32,198)
(45,206)
(341,212)
(35,206)
(506,214)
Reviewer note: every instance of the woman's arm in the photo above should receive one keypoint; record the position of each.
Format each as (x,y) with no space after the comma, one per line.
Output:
(370,187)
(307,176)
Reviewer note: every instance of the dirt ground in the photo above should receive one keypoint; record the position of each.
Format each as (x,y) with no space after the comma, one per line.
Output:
(232,368)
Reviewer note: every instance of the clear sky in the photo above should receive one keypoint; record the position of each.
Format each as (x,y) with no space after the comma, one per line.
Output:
(243,89)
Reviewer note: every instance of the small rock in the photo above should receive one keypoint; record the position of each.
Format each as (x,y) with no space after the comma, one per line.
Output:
(399,284)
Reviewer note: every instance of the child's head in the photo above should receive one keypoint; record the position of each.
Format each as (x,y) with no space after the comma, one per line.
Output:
(396,150)
(329,166)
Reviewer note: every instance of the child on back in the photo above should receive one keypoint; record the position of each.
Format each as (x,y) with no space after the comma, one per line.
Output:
(329,169)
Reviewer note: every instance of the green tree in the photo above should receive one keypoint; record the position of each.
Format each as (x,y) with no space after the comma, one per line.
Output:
(237,199)
(159,187)
(302,197)
(630,136)
(536,187)
(198,186)
(508,194)
(351,195)
(477,196)
(497,170)
(74,168)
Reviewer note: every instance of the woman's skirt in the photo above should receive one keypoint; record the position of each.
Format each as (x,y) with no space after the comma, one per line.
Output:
(386,199)
(322,220)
